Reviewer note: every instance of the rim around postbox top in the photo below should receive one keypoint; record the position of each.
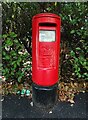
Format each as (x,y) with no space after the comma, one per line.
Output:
(46,15)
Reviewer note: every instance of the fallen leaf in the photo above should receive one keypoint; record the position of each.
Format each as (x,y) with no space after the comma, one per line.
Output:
(71,101)
(72,105)
(50,112)
(31,104)
(83,91)
(2,99)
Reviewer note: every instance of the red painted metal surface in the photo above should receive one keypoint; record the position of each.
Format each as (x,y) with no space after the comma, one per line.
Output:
(45,48)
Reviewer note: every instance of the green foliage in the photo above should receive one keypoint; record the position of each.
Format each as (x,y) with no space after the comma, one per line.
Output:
(74,35)
(14,56)
(80,61)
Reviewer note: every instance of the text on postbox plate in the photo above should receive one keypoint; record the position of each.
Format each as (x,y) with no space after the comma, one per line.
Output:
(46,56)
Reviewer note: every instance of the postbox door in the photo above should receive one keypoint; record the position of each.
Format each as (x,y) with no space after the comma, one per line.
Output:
(47,41)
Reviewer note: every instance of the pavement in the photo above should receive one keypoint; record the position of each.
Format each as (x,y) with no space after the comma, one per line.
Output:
(14,106)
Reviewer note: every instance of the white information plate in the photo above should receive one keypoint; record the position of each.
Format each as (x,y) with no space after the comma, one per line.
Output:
(47,35)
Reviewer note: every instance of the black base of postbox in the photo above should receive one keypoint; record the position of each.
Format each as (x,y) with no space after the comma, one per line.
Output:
(44,97)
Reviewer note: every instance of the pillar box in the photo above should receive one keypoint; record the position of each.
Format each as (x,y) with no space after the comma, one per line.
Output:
(45,58)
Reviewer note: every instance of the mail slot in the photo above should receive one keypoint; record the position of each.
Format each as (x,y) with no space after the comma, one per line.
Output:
(45,56)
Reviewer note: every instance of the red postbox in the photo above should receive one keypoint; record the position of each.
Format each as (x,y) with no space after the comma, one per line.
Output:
(45,57)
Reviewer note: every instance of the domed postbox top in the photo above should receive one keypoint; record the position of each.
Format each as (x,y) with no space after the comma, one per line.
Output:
(46,15)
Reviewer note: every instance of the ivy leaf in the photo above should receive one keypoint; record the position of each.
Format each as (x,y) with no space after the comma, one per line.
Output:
(19,78)
(12,34)
(78,48)
(73,31)
(55,3)
(0,36)
(72,53)
(15,65)
(9,42)
(4,36)
(4,53)
(7,57)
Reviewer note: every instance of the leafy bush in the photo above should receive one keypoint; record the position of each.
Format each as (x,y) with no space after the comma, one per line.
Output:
(74,38)
(74,27)
(14,56)
(79,61)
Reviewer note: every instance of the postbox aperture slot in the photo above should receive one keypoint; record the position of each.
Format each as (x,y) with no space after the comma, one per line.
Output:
(47,24)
